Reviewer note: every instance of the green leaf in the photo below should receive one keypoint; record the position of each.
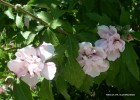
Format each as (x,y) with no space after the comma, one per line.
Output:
(31,38)
(25,34)
(57,13)
(43,3)
(2,20)
(22,91)
(99,79)
(3,54)
(94,16)
(136,35)
(9,13)
(50,36)
(124,80)
(62,86)
(87,84)
(124,17)
(28,8)
(53,37)
(46,91)
(73,73)
(72,46)
(88,36)
(19,21)
(55,23)
(67,27)
(130,57)
(104,19)
(45,16)
(113,71)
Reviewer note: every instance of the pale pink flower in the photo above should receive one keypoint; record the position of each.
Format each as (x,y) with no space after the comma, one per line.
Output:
(92,59)
(29,65)
(110,42)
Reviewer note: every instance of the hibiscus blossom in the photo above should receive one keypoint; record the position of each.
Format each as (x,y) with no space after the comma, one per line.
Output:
(92,59)
(110,42)
(30,64)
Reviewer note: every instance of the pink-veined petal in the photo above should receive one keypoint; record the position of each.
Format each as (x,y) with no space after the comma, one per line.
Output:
(101,43)
(17,67)
(49,71)
(122,47)
(113,30)
(85,47)
(103,65)
(103,31)
(45,51)
(26,52)
(100,52)
(113,55)
(91,69)
(31,81)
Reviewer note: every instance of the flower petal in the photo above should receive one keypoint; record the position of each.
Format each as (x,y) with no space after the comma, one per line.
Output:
(49,71)
(101,43)
(17,67)
(85,47)
(113,30)
(31,81)
(103,65)
(113,55)
(45,51)
(103,31)
(26,52)
(100,52)
(92,71)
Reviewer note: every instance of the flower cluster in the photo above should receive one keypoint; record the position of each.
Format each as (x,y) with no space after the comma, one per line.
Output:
(30,63)
(93,59)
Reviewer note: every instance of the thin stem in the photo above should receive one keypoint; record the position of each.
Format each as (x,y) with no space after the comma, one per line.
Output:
(23,11)
(16,7)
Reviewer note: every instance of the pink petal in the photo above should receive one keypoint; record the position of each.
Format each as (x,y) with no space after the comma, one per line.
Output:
(113,30)
(49,71)
(113,55)
(35,68)
(85,47)
(103,31)
(17,67)
(101,43)
(100,52)
(31,81)
(103,65)
(122,47)
(91,69)
(46,51)
(81,62)
(26,52)
(1,90)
